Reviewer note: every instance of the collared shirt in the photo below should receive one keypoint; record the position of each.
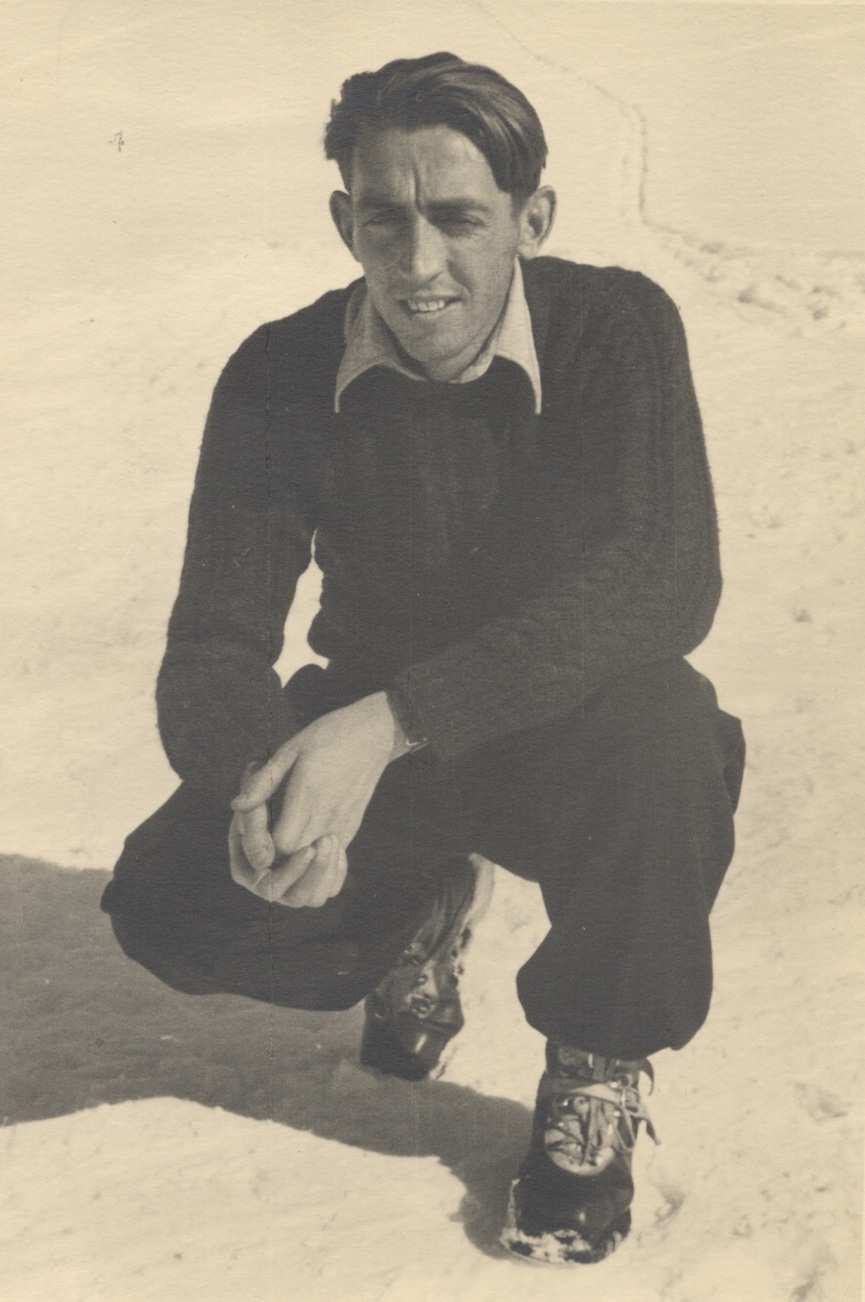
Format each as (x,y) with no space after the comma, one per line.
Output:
(369,343)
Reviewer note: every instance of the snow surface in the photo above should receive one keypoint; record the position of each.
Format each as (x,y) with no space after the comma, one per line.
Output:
(159,1147)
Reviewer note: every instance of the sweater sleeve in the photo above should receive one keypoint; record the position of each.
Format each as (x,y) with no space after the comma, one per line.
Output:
(645,590)
(219,700)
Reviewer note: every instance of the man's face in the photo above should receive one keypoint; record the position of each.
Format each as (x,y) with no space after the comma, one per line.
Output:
(436,238)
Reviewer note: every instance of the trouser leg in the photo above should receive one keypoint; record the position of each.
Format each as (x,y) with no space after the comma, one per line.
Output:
(625,814)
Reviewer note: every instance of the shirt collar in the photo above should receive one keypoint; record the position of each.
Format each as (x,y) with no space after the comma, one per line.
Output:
(368,342)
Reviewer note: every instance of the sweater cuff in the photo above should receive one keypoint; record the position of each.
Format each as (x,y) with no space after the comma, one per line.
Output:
(401,708)
(427,710)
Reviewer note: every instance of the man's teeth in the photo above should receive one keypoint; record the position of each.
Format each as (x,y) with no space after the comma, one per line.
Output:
(427,304)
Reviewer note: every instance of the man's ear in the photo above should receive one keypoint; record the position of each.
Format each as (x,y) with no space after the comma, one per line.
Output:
(536,221)
(343,219)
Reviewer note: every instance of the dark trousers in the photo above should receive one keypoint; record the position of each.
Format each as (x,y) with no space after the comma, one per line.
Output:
(623,812)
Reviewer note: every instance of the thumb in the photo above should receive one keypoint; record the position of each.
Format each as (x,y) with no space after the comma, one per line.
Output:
(258,787)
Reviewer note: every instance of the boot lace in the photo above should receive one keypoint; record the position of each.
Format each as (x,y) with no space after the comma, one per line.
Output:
(589,1121)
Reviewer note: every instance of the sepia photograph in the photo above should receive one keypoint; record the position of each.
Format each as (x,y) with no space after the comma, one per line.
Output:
(430,827)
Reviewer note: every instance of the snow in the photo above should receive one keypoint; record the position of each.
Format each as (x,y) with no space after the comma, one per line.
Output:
(160,1147)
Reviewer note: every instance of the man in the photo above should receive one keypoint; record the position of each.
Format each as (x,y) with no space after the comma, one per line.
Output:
(498,459)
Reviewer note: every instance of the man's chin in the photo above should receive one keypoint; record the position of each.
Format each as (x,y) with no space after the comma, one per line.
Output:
(437,368)
(432,363)
(437,356)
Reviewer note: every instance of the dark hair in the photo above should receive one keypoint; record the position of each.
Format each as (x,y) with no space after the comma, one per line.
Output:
(443,90)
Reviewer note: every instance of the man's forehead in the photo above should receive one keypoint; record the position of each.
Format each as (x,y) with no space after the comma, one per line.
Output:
(390,163)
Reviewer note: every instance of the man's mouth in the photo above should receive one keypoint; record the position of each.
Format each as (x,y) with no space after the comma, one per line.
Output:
(427,306)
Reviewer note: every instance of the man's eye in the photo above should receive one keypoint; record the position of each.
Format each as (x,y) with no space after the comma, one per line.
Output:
(459,223)
(382,219)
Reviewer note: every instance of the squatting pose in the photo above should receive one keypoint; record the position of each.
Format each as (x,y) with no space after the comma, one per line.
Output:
(497,461)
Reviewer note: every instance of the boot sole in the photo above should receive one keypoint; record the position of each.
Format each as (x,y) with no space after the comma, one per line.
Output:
(560,1247)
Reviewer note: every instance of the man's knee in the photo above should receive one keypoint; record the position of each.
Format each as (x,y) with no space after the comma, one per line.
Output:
(666,718)
(143,944)
(277,958)
(648,761)
(175,910)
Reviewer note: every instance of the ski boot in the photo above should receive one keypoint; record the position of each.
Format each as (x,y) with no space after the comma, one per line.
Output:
(570,1203)
(416,1009)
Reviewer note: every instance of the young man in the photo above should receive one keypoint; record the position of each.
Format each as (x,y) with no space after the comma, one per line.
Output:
(499,461)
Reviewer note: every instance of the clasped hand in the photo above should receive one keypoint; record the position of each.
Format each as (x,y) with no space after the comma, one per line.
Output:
(330,769)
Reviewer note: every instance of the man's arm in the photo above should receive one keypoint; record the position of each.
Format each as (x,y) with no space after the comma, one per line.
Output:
(223,716)
(219,700)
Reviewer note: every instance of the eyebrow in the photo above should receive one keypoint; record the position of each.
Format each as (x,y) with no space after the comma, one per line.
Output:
(459,203)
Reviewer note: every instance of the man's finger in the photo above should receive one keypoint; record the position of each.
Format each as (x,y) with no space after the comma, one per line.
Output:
(326,885)
(288,871)
(242,871)
(341,870)
(317,884)
(259,787)
(256,839)
(270,885)
(308,888)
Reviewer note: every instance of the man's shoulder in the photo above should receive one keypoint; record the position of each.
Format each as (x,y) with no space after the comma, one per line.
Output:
(563,284)
(298,354)
(327,309)
(576,305)
(317,326)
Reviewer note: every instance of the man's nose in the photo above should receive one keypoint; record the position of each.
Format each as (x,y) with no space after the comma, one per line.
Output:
(424,251)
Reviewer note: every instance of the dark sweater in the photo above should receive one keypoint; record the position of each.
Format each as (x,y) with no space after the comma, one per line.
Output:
(489,566)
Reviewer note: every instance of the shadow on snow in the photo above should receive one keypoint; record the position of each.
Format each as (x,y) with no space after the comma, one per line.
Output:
(86,1025)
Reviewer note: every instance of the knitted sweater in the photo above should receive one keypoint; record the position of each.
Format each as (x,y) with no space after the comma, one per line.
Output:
(489,566)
